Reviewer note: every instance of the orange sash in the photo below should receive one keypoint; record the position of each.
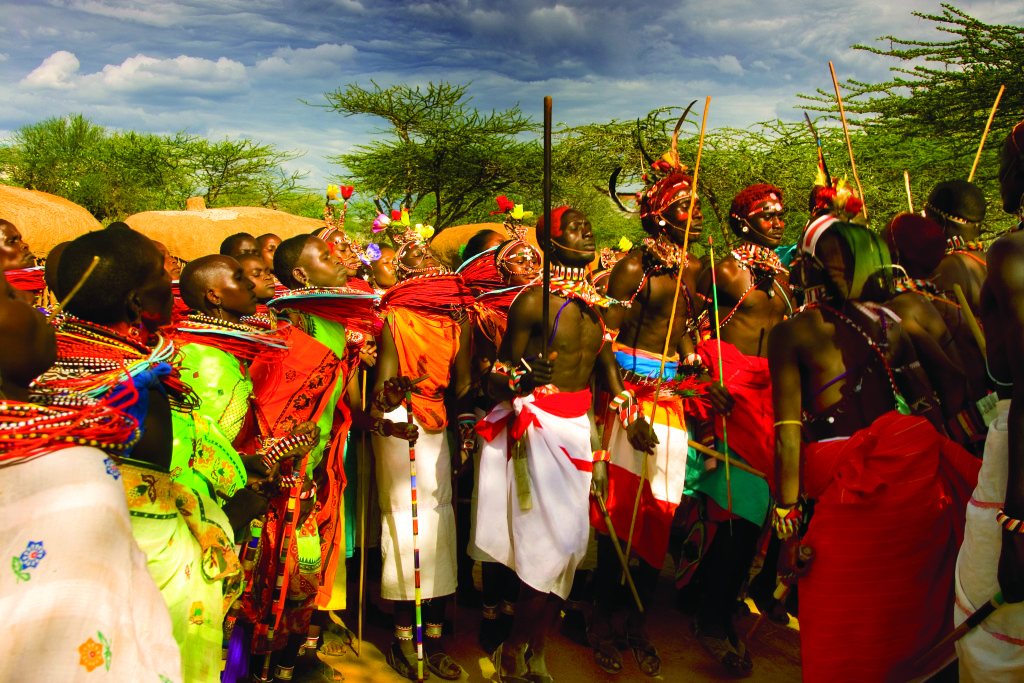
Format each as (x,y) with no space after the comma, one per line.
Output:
(427,345)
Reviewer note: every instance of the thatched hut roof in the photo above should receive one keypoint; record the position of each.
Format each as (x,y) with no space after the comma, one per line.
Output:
(199,231)
(44,220)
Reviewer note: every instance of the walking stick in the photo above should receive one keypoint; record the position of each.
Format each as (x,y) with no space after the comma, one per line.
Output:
(988,124)
(906,182)
(546,245)
(672,316)
(960,631)
(415,544)
(364,500)
(618,551)
(846,132)
(721,377)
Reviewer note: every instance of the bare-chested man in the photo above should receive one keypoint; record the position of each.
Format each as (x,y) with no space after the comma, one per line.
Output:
(992,556)
(753,296)
(535,520)
(645,281)
(947,349)
(959,207)
(889,490)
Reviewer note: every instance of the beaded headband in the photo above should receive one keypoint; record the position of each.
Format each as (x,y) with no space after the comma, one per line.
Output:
(533,256)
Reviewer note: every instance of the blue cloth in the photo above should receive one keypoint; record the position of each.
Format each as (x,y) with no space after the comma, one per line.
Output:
(646,367)
(787,253)
(143,381)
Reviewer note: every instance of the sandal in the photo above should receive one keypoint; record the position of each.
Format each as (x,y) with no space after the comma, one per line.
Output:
(772,609)
(605,647)
(398,661)
(504,678)
(443,666)
(723,652)
(574,622)
(645,654)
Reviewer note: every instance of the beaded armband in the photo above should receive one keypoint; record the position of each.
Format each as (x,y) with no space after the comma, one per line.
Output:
(382,427)
(610,335)
(280,447)
(602,456)
(627,407)
(1009,523)
(513,375)
(786,520)
(467,431)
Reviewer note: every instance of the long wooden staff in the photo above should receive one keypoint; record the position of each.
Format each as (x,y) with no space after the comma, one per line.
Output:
(906,182)
(618,551)
(988,124)
(672,317)
(546,243)
(364,500)
(846,132)
(415,544)
(972,322)
(960,631)
(721,375)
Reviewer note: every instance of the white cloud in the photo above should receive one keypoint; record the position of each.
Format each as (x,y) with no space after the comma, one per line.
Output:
(321,60)
(726,64)
(179,76)
(56,71)
(3,57)
(149,13)
(353,5)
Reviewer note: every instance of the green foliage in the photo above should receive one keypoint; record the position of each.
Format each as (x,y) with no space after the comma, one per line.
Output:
(114,174)
(438,151)
(931,115)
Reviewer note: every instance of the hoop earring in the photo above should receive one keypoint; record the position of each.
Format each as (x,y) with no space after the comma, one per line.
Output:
(661,223)
(746,229)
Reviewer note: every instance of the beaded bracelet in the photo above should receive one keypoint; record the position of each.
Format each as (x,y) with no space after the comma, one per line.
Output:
(786,520)
(602,456)
(1009,523)
(287,481)
(382,427)
(283,446)
(467,431)
(628,408)
(515,380)
(502,370)
(381,403)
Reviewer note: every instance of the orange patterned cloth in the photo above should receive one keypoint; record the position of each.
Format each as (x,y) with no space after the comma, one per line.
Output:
(427,344)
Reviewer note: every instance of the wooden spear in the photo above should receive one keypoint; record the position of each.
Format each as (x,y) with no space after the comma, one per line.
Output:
(906,183)
(988,124)
(672,316)
(846,132)
(546,243)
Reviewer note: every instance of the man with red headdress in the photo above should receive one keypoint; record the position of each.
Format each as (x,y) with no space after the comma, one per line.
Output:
(753,296)
(643,285)
(533,515)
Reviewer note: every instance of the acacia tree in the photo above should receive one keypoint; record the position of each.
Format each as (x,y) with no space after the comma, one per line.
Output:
(941,95)
(439,154)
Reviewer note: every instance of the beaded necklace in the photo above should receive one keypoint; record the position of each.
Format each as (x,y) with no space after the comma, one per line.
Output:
(666,253)
(243,341)
(957,243)
(871,342)
(55,422)
(755,257)
(574,283)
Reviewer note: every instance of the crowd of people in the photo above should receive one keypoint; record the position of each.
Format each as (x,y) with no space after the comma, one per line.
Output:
(189,452)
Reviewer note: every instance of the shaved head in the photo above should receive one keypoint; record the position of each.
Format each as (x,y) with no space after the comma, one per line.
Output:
(199,276)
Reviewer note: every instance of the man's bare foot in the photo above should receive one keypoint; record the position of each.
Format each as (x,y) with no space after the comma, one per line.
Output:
(511,660)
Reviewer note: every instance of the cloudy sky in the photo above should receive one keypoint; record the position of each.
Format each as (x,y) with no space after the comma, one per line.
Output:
(240,68)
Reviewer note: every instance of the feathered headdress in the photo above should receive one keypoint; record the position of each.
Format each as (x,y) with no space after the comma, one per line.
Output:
(405,235)
(333,224)
(836,198)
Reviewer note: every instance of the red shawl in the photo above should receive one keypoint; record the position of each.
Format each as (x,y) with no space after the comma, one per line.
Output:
(480,273)
(886,531)
(346,305)
(491,312)
(441,294)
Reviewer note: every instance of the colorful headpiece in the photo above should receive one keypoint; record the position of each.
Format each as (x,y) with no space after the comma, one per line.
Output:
(872,267)
(556,221)
(836,198)
(338,224)
(534,259)
(662,194)
(743,205)
(514,216)
(406,235)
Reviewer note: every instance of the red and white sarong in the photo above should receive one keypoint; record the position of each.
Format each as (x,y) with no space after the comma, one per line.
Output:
(545,544)
(663,483)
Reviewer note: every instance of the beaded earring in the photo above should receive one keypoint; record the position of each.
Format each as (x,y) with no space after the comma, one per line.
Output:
(746,229)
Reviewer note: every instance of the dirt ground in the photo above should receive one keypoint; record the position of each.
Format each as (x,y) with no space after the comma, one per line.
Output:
(775,650)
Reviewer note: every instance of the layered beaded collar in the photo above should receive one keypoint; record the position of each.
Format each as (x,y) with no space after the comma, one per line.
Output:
(575,283)
(907,284)
(56,422)
(957,243)
(667,255)
(756,257)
